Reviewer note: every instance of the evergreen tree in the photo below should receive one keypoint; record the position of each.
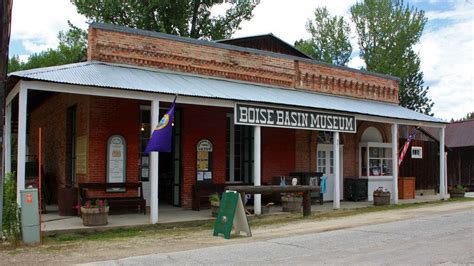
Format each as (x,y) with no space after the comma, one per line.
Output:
(329,40)
(387,32)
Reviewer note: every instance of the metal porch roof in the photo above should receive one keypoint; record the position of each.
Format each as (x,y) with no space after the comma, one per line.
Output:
(99,74)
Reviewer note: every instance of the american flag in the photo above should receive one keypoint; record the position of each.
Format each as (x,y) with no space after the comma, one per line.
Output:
(405,147)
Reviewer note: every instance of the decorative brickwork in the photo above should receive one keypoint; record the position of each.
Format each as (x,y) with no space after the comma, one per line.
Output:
(264,68)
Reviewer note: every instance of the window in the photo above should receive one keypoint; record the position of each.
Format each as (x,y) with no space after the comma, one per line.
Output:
(144,170)
(375,155)
(239,152)
(417,152)
(71,132)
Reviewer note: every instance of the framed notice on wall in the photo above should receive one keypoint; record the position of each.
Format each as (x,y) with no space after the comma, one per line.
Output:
(204,160)
(116,161)
(81,155)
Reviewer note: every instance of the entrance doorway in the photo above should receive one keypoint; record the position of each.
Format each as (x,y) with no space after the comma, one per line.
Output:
(325,164)
(169,164)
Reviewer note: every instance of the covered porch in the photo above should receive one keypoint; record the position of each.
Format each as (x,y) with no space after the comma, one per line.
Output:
(208,98)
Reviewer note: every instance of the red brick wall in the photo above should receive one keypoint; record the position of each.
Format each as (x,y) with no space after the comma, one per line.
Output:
(141,50)
(201,122)
(51,117)
(278,152)
(111,116)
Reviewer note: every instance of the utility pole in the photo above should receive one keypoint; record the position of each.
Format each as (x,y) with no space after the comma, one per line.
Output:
(5,15)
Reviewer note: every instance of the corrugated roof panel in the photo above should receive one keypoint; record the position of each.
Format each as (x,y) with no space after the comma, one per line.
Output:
(132,78)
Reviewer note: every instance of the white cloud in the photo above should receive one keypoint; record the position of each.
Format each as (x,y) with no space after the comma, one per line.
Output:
(287,19)
(37,23)
(356,62)
(446,48)
(447,61)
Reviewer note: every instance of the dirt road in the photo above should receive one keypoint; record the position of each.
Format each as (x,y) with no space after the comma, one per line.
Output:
(70,252)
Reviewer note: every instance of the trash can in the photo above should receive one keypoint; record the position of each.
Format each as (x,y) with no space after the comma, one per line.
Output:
(30,227)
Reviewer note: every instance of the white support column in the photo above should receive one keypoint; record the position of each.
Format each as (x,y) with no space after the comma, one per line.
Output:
(21,153)
(7,139)
(155,109)
(337,172)
(395,163)
(442,194)
(257,168)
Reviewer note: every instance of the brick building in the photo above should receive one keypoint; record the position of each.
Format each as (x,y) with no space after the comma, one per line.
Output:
(260,105)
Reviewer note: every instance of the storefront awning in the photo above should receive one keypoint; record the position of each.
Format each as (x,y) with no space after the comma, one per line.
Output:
(106,75)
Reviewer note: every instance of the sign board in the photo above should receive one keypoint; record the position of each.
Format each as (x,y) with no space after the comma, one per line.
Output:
(81,155)
(116,161)
(204,160)
(293,118)
(231,214)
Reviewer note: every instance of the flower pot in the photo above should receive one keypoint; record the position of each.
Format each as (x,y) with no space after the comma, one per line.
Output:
(382,198)
(291,204)
(457,194)
(214,208)
(94,216)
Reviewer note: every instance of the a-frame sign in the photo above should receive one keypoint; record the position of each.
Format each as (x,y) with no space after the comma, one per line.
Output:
(231,214)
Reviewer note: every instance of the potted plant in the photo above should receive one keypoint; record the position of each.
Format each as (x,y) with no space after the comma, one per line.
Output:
(381,196)
(215,203)
(457,192)
(95,213)
(291,202)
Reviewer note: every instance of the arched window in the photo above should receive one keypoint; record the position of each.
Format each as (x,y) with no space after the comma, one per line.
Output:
(371,134)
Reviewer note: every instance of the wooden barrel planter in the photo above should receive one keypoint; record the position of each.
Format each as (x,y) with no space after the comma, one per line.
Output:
(381,198)
(291,204)
(214,208)
(94,216)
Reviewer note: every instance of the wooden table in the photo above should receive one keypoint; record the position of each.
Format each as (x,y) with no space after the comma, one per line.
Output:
(306,190)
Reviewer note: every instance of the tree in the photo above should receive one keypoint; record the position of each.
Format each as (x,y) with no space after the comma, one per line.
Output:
(189,18)
(329,38)
(71,49)
(387,32)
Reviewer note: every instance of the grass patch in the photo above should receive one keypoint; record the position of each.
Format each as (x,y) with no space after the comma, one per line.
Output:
(180,230)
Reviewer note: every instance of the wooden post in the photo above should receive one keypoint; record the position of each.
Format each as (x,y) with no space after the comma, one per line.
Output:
(154,173)
(395,163)
(257,168)
(307,203)
(441,164)
(337,175)
(21,152)
(40,177)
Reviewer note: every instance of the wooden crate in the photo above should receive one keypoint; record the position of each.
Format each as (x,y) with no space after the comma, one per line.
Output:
(406,187)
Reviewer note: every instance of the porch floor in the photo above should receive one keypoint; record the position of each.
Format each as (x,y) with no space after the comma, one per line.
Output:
(53,223)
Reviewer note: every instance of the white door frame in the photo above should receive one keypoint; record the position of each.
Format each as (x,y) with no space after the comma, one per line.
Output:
(328,196)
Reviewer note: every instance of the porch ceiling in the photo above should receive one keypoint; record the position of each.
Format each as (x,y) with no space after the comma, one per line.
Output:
(106,75)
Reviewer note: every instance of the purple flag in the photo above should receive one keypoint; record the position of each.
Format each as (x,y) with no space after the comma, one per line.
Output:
(161,138)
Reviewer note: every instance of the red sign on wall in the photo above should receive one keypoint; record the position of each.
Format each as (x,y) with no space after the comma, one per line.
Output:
(29,198)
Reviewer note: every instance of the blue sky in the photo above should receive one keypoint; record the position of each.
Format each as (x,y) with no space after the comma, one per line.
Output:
(446,47)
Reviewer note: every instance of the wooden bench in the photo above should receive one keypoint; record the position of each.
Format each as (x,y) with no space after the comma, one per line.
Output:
(202,191)
(115,202)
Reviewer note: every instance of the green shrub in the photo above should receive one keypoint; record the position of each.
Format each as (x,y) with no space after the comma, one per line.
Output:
(11,214)
(214,197)
(459,189)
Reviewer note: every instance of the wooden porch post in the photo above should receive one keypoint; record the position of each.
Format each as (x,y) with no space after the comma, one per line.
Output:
(442,178)
(21,154)
(257,168)
(154,167)
(337,175)
(395,162)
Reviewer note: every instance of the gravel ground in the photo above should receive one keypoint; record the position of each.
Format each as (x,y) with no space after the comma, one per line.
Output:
(100,250)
